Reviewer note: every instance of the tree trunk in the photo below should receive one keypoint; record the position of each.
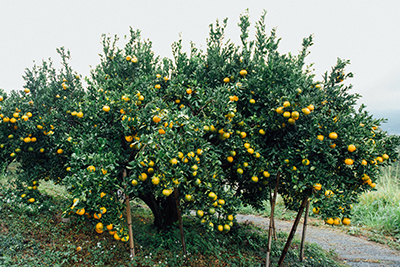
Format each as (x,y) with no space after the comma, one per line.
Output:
(271,221)
(293,231)
(176,193)
(164,210)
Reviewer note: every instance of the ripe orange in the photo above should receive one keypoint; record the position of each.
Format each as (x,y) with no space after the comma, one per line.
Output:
(306,111)
(346,221)
(80,211)
(156,119)
(315,210)
(99,226)
(320,137)
(143,177)
(157,86)
(348,161)
(333,135)
(279,110)
(243,72)
(305,162)
(254,179)
(155,180)
(189,91)
(103,210)
(226,80)
(336,221)
(317,186)
(286,104)
(329,221)
(60,151)
(364,162)
(106,108)
(286,114)
(329,193)
(351,148)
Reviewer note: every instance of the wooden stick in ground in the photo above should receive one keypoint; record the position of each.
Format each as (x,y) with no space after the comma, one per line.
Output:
(178,210)
(303,236)
(129,219)
(293,231)
(271,221)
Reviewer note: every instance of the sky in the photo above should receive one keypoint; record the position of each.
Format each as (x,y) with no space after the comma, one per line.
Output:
(364,32)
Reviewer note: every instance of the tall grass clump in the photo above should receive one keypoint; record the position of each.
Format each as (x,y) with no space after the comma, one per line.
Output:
(379,211)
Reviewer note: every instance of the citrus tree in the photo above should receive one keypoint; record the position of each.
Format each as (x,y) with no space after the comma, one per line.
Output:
(201,132)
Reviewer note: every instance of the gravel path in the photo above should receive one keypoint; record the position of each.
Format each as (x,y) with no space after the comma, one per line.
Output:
(353,251)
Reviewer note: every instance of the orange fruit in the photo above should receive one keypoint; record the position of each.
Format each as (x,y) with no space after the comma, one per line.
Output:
(346,221)
(348,161)
(226,80)
(279,110)
(306,111)
(320,137)
(333,135)
(286,104)
(317,186)
(315,210)
(329,221)
(329,193)
(351,148)
(336,221)
(80,211)
(156,119)
(243,72)
(106,108)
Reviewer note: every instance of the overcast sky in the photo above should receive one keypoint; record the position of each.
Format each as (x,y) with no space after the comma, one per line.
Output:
(365,32)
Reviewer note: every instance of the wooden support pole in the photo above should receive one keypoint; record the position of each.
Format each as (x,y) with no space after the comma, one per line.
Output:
(303,236)
(129,219)
(178,210)
(271,222)
(293,231)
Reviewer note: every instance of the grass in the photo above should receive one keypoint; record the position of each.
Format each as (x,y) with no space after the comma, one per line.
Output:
(38,236)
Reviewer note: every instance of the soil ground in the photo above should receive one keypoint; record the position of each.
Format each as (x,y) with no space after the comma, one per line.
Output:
(352,251)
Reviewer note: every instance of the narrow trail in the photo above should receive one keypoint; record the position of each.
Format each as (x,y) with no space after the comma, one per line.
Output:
(353,251)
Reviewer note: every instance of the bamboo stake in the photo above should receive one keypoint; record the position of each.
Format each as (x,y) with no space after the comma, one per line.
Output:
(292,232)
(271,221)
(303,236)
(176,192)
(129,219)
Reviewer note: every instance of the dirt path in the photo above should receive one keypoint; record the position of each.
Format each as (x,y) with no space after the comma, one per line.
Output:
(353,251)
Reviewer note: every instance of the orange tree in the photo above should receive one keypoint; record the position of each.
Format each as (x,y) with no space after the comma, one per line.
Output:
(33,122)
(203,131)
